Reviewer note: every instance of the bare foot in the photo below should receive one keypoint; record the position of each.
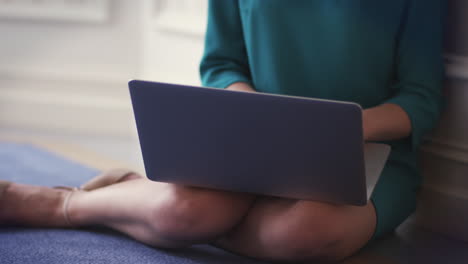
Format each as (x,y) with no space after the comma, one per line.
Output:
(109,178)
(35,206)
(131,176)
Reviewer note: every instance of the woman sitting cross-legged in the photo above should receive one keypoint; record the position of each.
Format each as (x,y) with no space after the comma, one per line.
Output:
(384,55)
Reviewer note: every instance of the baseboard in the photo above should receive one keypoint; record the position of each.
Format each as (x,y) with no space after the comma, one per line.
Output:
(443,212)
(443,201)
(444,165)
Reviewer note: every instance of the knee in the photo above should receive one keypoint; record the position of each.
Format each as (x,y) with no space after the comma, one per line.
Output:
(190,214)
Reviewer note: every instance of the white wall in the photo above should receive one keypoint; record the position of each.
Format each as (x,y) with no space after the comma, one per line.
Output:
(69,75)
(105,50)
(174,40)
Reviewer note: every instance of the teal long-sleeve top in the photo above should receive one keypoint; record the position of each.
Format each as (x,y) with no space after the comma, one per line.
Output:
(365,51)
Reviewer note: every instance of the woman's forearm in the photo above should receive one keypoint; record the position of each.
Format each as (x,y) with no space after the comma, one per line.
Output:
(386,122)
(383,122)
(240,86)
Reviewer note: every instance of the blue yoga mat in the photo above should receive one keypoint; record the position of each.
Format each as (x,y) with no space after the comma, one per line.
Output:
(26,163)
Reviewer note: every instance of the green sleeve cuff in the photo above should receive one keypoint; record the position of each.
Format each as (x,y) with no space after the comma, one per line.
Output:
(225,79)
(421,115)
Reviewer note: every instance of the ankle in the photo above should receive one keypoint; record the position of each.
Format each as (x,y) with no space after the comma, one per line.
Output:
(72,209)
(66,204)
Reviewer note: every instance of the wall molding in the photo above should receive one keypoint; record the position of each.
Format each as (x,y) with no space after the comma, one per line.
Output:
(65,103)
(458,192)
(444,169)
(443,201)
(185,17)
(456,66)
(95,11)
(23,72)
(66,113)
(173,22)
(447,149)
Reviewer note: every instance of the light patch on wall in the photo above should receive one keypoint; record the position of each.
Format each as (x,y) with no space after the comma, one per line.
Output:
(186,17)
(96,11)
(457,66)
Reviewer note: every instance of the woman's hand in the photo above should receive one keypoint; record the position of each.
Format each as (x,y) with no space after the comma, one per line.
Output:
(240,86)
(385,122)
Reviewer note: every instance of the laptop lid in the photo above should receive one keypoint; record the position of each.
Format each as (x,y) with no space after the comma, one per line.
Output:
(293,147)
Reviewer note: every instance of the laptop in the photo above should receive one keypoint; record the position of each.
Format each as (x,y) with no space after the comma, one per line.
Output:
(293,147)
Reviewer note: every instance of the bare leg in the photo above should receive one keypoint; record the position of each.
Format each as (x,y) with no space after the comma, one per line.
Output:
(158,214)
(290,230)
(165,215)
(32,206)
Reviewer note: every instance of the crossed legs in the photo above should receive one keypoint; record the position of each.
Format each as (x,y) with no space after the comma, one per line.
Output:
(160,214)
(170,216)
(290,230)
